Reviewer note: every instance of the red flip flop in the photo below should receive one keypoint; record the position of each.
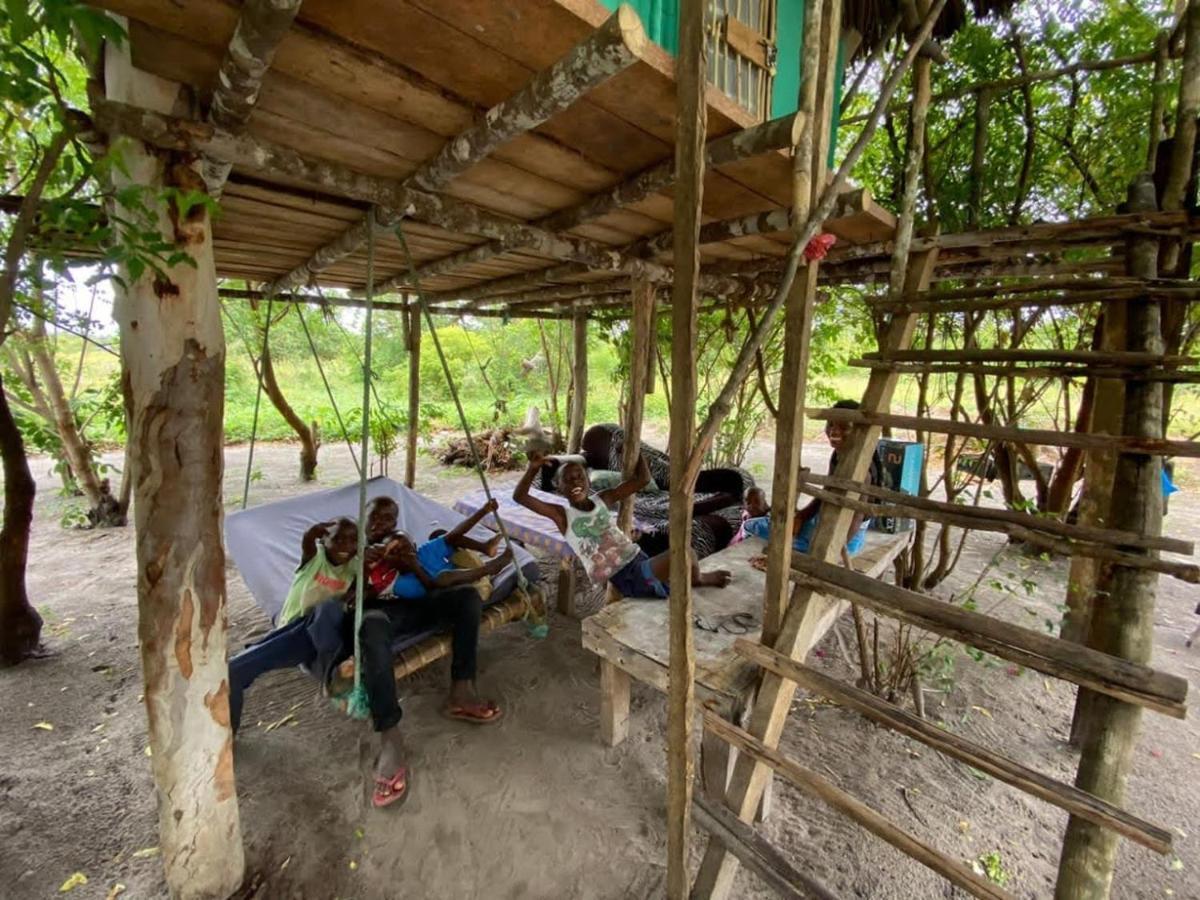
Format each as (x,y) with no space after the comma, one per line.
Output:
(391,790)
(481,712)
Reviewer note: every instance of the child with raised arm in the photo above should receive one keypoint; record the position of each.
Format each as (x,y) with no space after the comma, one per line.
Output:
(590,528)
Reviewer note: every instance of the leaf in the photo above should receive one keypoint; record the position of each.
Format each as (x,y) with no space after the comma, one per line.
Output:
(982,711)
(145,853)
(73,882)
(1176,864)
(44,726)
(115,891)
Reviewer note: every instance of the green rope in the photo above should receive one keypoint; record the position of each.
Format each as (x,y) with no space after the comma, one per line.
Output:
(357,704)
(257,403)
(538,627)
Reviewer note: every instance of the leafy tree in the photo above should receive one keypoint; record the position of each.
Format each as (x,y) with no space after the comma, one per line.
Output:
(56,174)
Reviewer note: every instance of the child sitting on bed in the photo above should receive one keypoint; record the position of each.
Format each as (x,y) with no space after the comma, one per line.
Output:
(469,558)
(328,551)
(590,529)
(755,507)
(805,523)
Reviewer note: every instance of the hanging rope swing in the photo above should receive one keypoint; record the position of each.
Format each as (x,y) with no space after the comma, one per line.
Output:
(533,600)
(532,596)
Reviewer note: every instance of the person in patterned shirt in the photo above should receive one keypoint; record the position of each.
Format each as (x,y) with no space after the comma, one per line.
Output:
(589,526)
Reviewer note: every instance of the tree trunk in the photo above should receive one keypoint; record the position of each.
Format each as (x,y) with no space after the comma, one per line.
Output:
(20,624)
(1123,624)
(173,368)
(75,449)
(309,444)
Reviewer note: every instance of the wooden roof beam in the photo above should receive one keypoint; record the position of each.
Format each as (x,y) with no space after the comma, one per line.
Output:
(771,222)
(607,51)
(395,199)
(745,144)
(610,49)
(260,28)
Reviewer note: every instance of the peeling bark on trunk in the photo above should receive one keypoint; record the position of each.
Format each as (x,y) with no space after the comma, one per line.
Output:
(173,367)
(20,624)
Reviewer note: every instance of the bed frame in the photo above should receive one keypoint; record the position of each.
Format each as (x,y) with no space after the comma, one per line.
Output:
(631,639)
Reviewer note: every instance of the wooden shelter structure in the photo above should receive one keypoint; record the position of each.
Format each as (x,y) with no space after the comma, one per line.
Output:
(545,158)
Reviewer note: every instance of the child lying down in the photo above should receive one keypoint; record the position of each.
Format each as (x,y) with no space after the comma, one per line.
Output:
(590,529)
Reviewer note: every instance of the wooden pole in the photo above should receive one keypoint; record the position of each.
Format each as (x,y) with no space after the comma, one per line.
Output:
(1128,443)
(579,382)
(641,360)
(811,783)
(261,27)
(641,325)
(414,393)
(173,369)
(999,767)
(741,368)
(1124,624)
(808,171)
(690,127)
(1186,112)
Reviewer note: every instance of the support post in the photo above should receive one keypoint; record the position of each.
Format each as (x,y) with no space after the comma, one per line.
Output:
(614,704)
(173,370)
(641,359)
(691,123)
(797,633)
(414,392)
(808,172)
(1123,624)
(579,381)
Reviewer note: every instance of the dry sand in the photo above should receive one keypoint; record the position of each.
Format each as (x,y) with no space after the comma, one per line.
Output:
(534,807)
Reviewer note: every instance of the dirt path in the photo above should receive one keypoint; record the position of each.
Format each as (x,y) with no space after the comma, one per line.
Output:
(534,807)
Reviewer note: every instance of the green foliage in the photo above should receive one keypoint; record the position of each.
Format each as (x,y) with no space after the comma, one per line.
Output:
(1090,130)
(991,866)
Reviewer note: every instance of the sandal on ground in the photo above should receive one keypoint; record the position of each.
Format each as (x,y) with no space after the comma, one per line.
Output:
(479,712)
(391,790)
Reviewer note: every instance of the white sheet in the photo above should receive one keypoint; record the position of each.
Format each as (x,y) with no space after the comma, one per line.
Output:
(264,541)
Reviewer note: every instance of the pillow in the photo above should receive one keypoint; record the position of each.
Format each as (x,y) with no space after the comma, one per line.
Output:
(607,479)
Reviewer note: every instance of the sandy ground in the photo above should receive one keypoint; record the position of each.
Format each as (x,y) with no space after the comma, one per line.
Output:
(535,807)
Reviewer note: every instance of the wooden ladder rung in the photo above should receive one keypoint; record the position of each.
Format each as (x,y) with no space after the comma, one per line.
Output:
(1036,436)
(811,783)
(1112,536)
(1120,678)
(1188,572)
(1098,358)
(1065,796)
(1174,376)
(1043,285)
(756,852)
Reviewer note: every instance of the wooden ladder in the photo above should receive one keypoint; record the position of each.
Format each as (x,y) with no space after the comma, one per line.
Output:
(821,583)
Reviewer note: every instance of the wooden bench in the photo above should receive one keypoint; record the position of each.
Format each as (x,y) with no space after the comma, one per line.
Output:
(631,639)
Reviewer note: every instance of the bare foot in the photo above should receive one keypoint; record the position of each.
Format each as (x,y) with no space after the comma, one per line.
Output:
(719,578)
(493,546)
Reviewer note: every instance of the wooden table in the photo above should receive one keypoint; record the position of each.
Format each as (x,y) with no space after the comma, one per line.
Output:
(631,639)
